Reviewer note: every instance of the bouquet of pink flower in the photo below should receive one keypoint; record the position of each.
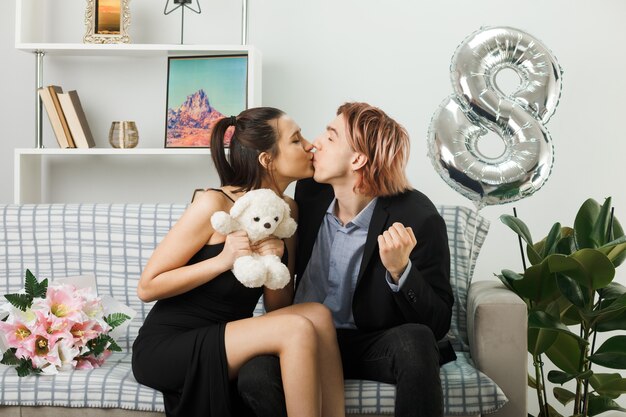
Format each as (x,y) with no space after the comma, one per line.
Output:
(49,328)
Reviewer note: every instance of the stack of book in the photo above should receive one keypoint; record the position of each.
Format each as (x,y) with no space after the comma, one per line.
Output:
(66,117)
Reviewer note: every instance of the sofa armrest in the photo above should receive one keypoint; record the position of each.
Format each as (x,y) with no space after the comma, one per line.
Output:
(497,329)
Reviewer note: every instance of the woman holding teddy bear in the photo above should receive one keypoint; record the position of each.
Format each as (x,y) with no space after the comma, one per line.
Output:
(201,331)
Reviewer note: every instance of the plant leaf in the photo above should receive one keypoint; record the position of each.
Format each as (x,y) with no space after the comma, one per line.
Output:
(558,377)
(34,288)
(21,301)
(116,319)
(505,281)
(608,385)
(567,244)
(612,291)
(538,284)
(562,395)
(599,233)
(614,242)
(570,316)
(614,253)
(541,320)
(606,311)
(572,291)
(612,323)
(600,404)
(618,232)
(588,267)
(30,283)
(97,345)
(539,340)
(612,353)
(9,358)
(521,229)
(113,347)
(598,268)
(584,223)
(551,240)
(565,353)
(25,368)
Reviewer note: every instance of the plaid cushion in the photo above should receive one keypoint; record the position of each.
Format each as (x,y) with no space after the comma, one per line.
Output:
(464,227)
(467,391)
(114,242)
(110,386)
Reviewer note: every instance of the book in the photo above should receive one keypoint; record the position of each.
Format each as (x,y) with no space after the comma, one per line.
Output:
(76,119)
(45,93)
(54,93)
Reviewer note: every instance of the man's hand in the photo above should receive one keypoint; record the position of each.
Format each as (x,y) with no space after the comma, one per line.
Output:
(395,246)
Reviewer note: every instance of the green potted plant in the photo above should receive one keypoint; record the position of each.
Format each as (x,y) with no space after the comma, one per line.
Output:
(571,297)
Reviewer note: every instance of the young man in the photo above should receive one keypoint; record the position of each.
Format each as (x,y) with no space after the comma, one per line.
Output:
(375,252)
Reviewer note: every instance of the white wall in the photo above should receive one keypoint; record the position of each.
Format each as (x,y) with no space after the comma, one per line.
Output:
(394,54)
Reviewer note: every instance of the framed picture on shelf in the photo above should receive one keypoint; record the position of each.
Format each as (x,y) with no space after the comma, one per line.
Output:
(107,21)
(201,90)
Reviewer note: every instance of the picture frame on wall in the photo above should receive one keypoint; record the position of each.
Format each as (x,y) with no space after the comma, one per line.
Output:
(107,21)
(200,91)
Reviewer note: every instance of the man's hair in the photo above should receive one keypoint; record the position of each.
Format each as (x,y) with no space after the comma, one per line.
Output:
(386,145)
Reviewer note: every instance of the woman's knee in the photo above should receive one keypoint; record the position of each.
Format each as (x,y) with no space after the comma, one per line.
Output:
(299,332)
(320,316)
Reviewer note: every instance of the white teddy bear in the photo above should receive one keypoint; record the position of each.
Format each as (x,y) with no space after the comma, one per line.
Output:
(260,213)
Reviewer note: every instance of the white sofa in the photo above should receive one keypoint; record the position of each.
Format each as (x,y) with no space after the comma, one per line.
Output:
(114,241)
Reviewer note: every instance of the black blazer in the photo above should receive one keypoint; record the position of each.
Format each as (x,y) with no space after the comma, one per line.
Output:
(426,296)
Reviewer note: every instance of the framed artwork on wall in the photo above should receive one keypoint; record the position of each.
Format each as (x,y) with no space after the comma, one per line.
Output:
(201,90)
(107,21)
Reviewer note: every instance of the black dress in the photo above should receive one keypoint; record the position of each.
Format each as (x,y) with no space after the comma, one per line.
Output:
(180,347)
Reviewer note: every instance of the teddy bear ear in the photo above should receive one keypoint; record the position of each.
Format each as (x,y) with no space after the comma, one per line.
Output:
(222,222)
(241,204)
(287,226)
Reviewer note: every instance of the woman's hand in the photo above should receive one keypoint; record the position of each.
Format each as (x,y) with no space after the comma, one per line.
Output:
(269,246)
(236,245)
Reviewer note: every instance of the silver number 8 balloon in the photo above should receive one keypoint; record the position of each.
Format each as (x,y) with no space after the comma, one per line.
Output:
(478,105)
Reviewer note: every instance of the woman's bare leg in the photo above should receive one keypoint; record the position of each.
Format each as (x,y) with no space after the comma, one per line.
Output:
(294,340)
(331,373)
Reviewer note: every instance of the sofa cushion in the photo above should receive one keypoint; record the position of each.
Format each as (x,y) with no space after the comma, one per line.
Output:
(111,241)
(467,231)
(468,391)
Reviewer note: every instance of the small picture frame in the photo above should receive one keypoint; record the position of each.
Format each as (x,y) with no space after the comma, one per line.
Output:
(200,91)
(107,21)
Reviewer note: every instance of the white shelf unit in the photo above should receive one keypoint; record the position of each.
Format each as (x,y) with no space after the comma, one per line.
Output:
(32,169)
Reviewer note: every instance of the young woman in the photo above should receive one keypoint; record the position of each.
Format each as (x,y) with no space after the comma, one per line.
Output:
(201,330)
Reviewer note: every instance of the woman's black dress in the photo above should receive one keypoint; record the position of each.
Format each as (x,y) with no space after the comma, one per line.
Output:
(180,347)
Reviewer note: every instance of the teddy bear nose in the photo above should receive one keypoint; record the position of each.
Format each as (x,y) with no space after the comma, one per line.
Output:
(267,225)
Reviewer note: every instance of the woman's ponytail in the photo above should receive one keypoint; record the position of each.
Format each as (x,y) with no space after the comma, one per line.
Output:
(218,152)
